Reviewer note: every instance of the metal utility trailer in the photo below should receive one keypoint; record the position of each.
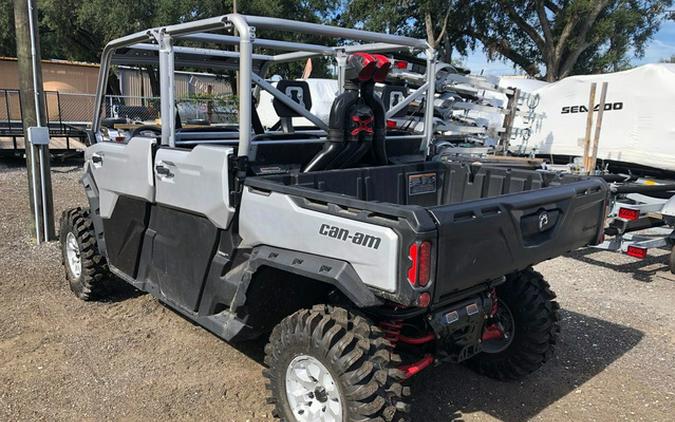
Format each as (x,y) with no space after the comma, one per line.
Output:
(67,138)
(636,208)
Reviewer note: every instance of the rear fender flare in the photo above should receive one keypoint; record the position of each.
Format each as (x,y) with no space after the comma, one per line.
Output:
(326,270)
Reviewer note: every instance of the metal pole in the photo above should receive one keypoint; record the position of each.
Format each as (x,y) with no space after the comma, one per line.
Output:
(244,90)
(32,99)
(167,81)
(431,96)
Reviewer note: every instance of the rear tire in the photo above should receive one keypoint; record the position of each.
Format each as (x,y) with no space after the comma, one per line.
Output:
(86,269)
(672,260)
(536,328)
(360,366)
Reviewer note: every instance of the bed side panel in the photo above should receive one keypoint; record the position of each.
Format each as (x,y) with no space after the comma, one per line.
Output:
(271,218)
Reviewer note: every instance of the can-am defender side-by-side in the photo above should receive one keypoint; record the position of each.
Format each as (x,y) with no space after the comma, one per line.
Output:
(362,258)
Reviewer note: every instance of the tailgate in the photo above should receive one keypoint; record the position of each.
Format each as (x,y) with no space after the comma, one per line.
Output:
(487,238)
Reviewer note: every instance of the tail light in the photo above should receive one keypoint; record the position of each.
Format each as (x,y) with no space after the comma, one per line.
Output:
(637,252)
(401,64)
(629,214)
(419,272)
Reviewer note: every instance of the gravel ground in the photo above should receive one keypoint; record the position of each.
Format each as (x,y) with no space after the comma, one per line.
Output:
(132,358)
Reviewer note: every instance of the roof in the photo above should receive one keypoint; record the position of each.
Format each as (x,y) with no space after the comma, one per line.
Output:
(55,61)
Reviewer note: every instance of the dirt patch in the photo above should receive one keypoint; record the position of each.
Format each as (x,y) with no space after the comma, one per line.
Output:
(132,358)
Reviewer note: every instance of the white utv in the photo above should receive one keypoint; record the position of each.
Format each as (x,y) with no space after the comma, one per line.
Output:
(362,258)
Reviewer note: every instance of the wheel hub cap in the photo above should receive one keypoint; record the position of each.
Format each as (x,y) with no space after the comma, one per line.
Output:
(311,391)
(73,259)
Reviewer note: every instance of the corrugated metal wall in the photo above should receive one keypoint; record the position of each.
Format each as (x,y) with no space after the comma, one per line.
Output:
(136,83)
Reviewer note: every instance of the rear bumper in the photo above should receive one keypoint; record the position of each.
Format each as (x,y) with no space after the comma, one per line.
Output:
(459,327)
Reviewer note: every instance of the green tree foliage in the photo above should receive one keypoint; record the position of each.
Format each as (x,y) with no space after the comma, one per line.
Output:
(7,36)
(549,39)
(552,39)
(442,23)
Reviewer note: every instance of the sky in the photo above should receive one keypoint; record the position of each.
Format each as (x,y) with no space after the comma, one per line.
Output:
(660,47)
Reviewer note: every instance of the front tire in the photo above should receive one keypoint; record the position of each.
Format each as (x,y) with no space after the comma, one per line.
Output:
(86,269)
(327,364)
(530,304)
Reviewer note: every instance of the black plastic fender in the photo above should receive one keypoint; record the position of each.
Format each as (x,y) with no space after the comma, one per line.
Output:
(327,270)
(91,190)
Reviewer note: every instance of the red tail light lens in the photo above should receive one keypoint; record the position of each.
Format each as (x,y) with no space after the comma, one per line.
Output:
(419,272)
(629,214)
(637,252)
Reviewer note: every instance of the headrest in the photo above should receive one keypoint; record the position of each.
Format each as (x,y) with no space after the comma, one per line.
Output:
(392,95)
(298,91)
(363,67)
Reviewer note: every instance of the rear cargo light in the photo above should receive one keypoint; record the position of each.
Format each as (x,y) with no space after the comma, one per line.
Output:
(424,300)
(637,252)
(629,214)
(419,272)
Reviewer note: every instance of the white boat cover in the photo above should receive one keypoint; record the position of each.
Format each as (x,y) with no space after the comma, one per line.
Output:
(638,124)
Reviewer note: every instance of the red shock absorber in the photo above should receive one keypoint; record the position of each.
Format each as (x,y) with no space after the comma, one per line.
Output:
(392,331)
(493,299)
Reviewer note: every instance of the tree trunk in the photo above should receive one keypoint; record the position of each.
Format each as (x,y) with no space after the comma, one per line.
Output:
(154,81)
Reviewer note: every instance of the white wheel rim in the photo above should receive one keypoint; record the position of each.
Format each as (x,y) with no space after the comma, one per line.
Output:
(311,391)
(73,255)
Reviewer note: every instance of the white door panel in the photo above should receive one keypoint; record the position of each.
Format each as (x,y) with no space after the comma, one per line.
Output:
(122,169)
(195,180)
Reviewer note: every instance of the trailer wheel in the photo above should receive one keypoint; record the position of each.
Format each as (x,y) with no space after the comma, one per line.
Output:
(327,364)
(86,269)
(525,332)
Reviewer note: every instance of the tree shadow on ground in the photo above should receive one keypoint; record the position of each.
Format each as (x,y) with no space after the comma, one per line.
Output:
(640,269)
(586,347)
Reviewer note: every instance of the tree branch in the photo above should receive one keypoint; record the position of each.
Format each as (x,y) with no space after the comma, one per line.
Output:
(543,19)
(522,24)
(582,42)
(429,25)
(503,48)
(550,5)
(444,27)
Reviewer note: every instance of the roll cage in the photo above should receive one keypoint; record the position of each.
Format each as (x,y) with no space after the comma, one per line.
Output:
(141,48)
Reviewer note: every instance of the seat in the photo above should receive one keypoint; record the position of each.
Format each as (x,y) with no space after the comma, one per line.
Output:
(299,92)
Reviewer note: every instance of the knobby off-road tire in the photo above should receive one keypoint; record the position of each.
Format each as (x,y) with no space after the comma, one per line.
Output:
(536,328)
(78,243)
(360,362)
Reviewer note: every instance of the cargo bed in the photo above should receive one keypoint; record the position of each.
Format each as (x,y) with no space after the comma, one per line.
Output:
(486,221)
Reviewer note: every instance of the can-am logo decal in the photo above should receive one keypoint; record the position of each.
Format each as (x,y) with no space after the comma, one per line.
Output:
(584,109)
(356,238)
